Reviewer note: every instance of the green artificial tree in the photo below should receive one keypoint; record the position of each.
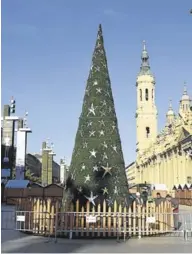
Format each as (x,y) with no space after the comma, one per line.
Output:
(97,167)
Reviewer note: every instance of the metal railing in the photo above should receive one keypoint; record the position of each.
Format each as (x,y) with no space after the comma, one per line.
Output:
(81,224)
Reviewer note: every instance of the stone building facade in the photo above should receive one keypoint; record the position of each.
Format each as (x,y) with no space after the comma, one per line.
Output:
(164,158)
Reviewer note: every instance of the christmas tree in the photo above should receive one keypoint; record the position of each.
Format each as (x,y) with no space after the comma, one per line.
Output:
(97,167)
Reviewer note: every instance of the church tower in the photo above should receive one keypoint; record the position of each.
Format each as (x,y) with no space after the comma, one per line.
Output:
(146,113)
(170,116)
(185,103)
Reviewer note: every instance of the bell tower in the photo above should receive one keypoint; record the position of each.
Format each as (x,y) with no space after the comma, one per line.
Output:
(146,113)
(185,103)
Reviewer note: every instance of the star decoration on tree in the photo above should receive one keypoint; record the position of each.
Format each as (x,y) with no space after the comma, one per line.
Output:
(91,110)
(95,168)
(102,123)
(89,124)
(110,109)
(93,153)
(102,113)
(87,178)
(113,127)
(81,133)
(114,148)
(107,170)
(101,133)
(98,90)
(107,94)
(105,191)
(105,157)
(97,68)
(91,198)
(91,133)
(83,167)
(104,103)
(105,145)
(109,201)
(85,144)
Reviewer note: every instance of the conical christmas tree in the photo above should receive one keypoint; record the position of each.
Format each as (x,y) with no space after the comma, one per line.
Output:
(97,167)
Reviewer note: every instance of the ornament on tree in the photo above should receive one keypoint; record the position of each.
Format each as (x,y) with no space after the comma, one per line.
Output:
(98,90)
(89,124)
(102,123)
(105,191)
(85,144)
(83,167)
(95,168)
(102,113)
(107,170)
(91,110)
(107,94)
(95,83)
(91,198)
(87,92)
(87,178)
(105,145)
(103,103)
(101,133)
(97,68)
(93,153)
(109,201)
(114,148)
(105,157)
(91,133)
(110,109)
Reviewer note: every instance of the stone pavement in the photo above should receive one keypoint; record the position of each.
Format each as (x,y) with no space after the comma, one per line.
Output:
(15,242)
(32,244)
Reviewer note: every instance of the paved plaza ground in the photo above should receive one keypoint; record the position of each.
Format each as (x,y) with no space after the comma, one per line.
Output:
(14,241)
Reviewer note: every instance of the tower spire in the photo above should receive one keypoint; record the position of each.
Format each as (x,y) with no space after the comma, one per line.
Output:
(170,105)
(145,66)
(185,89)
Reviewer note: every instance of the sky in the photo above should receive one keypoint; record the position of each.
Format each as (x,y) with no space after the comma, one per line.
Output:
(47,47)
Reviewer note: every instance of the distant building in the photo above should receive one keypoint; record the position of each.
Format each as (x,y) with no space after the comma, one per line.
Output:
(164,158)
(34,163)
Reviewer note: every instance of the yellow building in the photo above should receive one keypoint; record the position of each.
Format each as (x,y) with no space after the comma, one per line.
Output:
(164,158)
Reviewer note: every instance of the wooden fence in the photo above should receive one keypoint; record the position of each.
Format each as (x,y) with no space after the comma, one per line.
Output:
(45,217)
(184,196)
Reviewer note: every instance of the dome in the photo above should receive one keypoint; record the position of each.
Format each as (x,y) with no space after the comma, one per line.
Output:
(170,111)
(185,96)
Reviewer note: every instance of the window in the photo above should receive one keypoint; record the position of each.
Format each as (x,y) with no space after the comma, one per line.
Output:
(147,131)
(152,94)
(146,94)
(140,91)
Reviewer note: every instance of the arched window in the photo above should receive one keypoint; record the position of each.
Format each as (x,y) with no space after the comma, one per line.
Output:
(140,92)
(152,94)
(147,131)
(146,94)
(183,107)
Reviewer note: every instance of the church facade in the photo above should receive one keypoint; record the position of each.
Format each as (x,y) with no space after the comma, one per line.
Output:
(165,157)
